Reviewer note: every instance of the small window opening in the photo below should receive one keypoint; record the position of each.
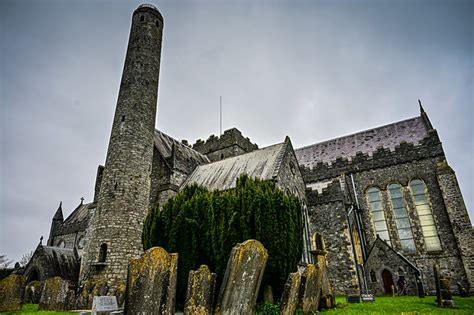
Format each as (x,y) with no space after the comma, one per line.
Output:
(222,156)
(373,277)
(103,252)
(142,18)
(157,24)
(115,186)
(123,118)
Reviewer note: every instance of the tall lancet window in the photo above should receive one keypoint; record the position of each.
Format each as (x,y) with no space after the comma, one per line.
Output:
(378,214)
(401,218)
(423,209)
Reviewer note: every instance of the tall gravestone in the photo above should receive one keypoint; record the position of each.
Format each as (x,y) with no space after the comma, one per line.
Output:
(310,291)
(151,283)
(12,289)
(242,278)
(33,292)
(289,298)
(436,275)
(200,291)
(327,299)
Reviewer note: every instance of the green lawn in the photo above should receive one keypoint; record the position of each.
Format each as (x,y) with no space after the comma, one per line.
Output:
(407,305)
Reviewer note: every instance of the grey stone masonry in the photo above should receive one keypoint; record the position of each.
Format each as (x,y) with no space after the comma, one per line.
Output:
(459,217)
(114,236)
(231,143)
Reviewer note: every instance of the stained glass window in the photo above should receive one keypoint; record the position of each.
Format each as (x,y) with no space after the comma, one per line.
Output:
(401,218)
(378,215)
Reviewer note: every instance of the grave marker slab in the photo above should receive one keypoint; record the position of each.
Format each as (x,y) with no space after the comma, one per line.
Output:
(12,289)
(289,298)
(242,278)
(200,292)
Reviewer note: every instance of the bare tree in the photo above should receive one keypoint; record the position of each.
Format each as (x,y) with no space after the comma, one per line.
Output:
(4,262)
(25,259)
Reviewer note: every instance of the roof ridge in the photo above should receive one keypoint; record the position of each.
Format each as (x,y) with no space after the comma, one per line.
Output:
(182,145)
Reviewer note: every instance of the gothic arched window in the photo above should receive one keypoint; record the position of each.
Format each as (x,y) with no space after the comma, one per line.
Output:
(378,214)
(423,209)
(401,218)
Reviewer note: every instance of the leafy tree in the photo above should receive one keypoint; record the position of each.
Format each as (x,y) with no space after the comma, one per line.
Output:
(203,226)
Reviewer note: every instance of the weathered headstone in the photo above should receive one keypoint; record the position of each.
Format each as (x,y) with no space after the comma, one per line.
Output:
(310,291)
(33,292)
(242,278)
(463,292)
(200,292)
(436,275)
(85,297)
(104,304)
(12,289)
(289,298)
(56,295)
(327,299)
(118,291)
(446,296)
(151,283)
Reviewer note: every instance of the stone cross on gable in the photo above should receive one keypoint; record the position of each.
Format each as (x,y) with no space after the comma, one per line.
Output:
(41,240)
(82,200)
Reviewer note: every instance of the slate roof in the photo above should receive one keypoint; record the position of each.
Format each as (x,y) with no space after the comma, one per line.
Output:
(222,175)
(80,214)
(411,130)
(164,145)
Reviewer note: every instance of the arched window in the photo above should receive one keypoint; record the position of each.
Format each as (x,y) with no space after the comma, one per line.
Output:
(401,218)
(103,252)
(373,277)
(423,209)
(61,244)
(378,215)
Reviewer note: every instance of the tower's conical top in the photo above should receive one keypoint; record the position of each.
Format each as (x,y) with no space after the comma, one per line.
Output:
(59,213)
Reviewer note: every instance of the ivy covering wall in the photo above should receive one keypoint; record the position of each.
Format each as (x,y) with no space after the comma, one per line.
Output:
(203,226)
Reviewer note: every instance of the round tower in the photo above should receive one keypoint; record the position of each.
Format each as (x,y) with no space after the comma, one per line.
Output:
(114,235)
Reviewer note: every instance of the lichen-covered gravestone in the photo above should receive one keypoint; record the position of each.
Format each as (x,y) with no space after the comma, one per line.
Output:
(56,295)
(151,283)
(33,292)
(200,292)
(289,298)
(12,289)
(310,291)
(436,275)
(242,278)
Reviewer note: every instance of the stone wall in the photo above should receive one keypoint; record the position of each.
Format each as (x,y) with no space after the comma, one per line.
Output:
(449,257)
(231,143)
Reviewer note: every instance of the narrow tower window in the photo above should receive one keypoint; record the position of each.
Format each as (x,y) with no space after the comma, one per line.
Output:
(401,218)
(378,215)
(157,24)
(103,252)
(423,209)
(123,118)
(142,18)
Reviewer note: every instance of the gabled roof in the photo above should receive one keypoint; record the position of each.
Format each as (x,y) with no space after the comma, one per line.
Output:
(412,130)
(80,214)
(222,175)
(380,242)
(164,144)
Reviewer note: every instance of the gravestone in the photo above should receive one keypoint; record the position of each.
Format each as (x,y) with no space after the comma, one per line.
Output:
(310,291)
(463,292)
(33,292)
(200,292)
(151,283)
(436,275)
(104,304)
(289,298)
(327,299)
(118,291)
(85,297)
(446,296)
(56,295)
(242,278)
(12,289)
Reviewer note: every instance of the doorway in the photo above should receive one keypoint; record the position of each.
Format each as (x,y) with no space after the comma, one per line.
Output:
(387,281)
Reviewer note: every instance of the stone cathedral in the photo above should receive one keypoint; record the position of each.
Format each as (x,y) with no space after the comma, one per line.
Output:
(386,200)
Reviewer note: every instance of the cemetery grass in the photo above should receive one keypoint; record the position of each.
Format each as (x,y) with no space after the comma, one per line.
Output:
(33,309)
(407,305)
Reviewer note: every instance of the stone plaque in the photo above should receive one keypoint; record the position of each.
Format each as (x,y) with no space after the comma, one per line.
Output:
(200,292)
(151,283)
(104,304)
(289,298)
(242,278)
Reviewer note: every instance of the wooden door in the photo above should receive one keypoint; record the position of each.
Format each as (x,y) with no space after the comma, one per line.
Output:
(387,281)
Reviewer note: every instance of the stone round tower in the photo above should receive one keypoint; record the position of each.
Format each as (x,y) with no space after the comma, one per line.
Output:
(116,227)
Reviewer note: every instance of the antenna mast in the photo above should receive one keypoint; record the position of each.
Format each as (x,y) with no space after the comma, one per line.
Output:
(220,115)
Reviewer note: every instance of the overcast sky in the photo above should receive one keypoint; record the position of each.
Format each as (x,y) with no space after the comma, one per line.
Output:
(313,70)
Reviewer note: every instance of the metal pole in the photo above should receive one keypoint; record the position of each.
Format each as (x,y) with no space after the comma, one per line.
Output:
(220,115)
